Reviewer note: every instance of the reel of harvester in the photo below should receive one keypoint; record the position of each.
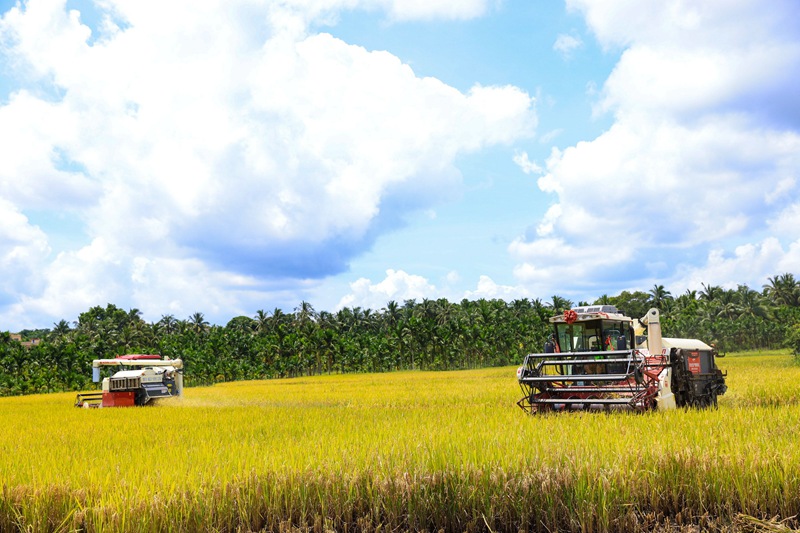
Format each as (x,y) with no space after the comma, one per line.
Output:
(586,381)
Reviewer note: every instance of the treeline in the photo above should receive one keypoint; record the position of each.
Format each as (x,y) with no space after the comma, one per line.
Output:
(429,335)
(432,334)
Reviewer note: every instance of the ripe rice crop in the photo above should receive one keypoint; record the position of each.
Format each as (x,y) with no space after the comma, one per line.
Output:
(405,451)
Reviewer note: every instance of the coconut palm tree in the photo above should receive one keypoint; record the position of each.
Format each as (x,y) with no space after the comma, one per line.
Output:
(559,304)
(751,303)
(168,323)
(659,296)
(709,292)
(198,323)
(61,328)
(262,321)
(783,290)
(305,312)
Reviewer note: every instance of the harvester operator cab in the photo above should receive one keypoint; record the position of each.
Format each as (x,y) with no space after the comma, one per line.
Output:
(598,335)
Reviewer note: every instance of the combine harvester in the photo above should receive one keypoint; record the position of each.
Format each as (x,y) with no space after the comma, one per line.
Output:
(598,358)
(142,379)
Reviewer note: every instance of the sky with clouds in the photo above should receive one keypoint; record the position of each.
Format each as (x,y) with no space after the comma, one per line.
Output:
(226,156)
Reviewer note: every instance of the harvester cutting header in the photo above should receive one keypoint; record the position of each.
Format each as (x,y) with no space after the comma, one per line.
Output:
(142,379)
(598,358)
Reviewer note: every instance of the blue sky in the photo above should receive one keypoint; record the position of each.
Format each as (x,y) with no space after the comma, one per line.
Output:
(226,157)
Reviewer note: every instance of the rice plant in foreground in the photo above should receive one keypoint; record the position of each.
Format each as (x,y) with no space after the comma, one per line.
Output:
(408,450)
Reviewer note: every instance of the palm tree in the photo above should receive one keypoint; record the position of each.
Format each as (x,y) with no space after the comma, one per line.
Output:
(262,321)
(603,300)
(278,316)
(305,312)
(783,290)
(659,296)
(751,303)
(169,323)
(559,304)
(710,292)
(60,333)
(61,328)
(198,323)
(727,305)
(686,302)
(392,313)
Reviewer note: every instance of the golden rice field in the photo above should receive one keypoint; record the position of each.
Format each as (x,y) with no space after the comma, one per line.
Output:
(404,451)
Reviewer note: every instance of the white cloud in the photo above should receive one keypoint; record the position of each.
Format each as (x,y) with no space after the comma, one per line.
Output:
(717,23)
(566,44)
(93,275)
(23,249)
(436,9)
(400,286)
(551,263)
(548,137)
(547,224)
(527,166)
(234,142)
(98,273)
(781,190)
(704,181)
(786,222)
(748,264)
(488,289)
(452,277)
(702,156)
(683,59)
(293,17)
(397,285)
(32,163)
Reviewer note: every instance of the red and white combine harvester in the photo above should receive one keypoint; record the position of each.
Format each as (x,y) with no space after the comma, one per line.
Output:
(598,358)
(142,379)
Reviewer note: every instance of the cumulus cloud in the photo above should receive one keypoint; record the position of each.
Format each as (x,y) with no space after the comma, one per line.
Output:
(488,289)
(525,164)
(397,285)
(400,286)
(23,247)
(225,140)
(142,282)
(701,159)
(439,9)
(566,44)
(685,59)
(746,262)
(296,15)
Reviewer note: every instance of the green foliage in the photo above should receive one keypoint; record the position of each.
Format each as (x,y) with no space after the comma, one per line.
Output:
(793,339)
(432,334)
(426,335)
(633,304)
(30,334)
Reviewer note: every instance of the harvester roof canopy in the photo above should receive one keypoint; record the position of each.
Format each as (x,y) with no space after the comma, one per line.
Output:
(119,361)
(596,309)
(593,312)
